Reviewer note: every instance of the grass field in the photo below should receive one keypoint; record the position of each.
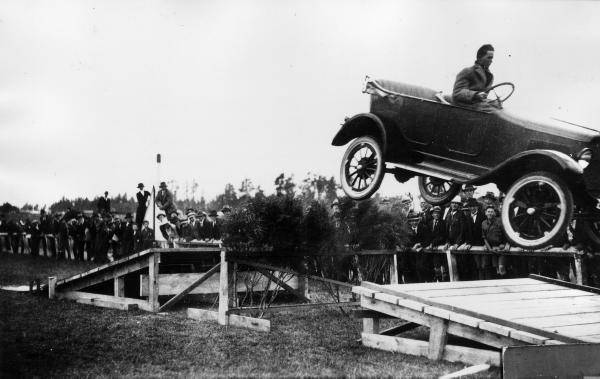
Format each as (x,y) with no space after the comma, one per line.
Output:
(52,338)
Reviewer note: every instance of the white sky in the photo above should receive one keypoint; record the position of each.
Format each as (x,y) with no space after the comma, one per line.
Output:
(90,91)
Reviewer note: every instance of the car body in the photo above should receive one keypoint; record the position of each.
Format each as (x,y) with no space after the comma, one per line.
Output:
(420,132)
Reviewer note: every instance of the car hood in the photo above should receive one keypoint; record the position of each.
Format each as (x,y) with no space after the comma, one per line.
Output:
(552,126)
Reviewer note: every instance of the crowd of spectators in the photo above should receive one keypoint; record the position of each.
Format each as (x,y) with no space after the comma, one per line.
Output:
(463,223)
(105,236)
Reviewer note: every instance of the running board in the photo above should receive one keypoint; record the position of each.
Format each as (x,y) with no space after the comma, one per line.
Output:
(432,170)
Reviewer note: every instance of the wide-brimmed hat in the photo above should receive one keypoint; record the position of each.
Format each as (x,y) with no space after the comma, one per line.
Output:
(140,185)
(191,214)
(489,195)
(437,208)
(162,185)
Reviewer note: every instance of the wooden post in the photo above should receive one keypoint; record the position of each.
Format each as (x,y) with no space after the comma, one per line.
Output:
(119,286)
(371,325)
(394,269)
(303,286)
(51,287)
(153,281)
(452,267)
(222,317)
(437,338)
(233,290)
(578,261)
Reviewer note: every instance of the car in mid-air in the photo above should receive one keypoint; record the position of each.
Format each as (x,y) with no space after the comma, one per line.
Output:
(549,171)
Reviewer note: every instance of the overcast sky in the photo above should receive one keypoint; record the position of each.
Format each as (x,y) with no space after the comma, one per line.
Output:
(90,91)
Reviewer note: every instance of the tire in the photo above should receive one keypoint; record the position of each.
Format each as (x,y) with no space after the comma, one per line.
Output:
(536,210)
(437,191)
(362,168)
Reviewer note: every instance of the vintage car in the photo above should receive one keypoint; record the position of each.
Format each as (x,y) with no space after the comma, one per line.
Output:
(549,171)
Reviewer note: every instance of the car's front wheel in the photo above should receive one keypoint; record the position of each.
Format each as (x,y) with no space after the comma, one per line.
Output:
(536,210)
(362,168)
(437,191)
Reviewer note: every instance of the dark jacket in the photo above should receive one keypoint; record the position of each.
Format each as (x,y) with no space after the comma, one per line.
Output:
(473,235)
(492,232)
(142,199)
(470,81)
(456,226)
(103,204)
(420,235)
(438,232)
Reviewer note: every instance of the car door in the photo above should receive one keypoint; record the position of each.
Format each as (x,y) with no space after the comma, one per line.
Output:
(467,133)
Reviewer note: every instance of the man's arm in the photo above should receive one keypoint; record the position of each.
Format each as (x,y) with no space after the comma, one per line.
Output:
(461,92)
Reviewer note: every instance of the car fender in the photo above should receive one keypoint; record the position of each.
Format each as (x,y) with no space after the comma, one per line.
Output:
(528,161)
(361,125)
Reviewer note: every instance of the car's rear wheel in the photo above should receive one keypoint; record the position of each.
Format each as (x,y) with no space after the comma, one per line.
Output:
(437,191)
(536,210)
(362,168)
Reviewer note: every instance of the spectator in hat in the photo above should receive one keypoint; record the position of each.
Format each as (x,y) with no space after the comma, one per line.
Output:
(163,237)
(494,241)
(455,225)
(438,238)
(104,234)
(164,199)
(191,231)
(127,238)
(146,236)
(213,218)
(78,233)
(475,217)
(36,237)
(103,203)
(143,200)
(419,238)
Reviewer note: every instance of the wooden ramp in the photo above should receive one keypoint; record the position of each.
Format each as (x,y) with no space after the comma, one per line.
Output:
(496,313)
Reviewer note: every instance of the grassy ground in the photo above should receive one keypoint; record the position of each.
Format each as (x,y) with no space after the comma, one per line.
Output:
(50,338)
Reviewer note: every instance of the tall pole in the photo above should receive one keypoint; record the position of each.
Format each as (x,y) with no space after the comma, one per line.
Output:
(154,194)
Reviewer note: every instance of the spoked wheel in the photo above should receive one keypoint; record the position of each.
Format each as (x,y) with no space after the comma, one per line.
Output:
(437,191)
(537,209)
(362,168)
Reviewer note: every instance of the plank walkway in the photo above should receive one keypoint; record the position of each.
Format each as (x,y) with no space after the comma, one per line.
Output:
(497,313)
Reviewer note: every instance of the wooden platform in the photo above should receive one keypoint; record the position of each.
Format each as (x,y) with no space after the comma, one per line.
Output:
(496,313)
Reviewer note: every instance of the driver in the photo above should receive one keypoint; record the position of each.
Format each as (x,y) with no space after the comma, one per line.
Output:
(472,82)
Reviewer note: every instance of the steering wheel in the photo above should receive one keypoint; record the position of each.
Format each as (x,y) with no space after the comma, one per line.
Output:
(498,99)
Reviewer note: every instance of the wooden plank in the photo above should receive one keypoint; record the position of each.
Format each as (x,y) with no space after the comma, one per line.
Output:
(283,285)
(557,361)
(223,290)
(90,280)
(399,329)
(396,311)
(561,320)
(471,370)
(202,314)
(484,316)
(251,323)
(463,284)
(90,298)
(577,330)
(189,289)
(51,287)
(458,292)
(438,334)
(565,284)
(172,284)
(153,271)
(420,348)
(370,325)
(119,286)
(519,296)
(291,307)
(578,269)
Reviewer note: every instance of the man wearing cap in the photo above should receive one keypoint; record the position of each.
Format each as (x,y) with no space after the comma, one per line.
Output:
(143,200)
(103,203)
(475,218)
(438,237)
(494,240)
(164,199)
(191,231)
(419,238)
(455,225)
